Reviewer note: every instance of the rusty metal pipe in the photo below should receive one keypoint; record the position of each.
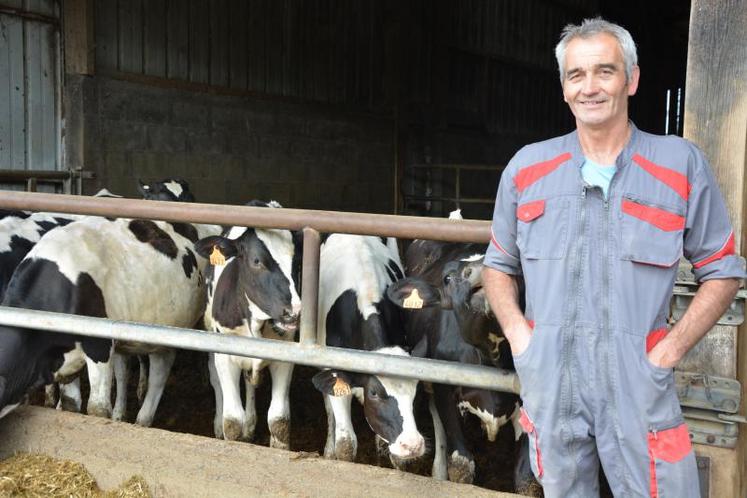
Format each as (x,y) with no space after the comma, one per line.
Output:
(310,285)
(402,227)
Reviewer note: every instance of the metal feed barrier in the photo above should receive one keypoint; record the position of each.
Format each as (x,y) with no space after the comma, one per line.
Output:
(307,351)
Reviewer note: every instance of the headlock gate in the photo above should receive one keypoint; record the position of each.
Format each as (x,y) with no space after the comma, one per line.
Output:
(306,351)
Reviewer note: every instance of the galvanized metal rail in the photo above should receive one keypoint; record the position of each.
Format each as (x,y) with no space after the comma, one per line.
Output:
(307,352)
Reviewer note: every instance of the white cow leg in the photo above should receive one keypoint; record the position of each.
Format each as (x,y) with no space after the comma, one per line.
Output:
(218,419)
(160,366)
(346,443)
(142,383)
(100,381)
(229,375)
(250,408)
(440,468)
(329,445)
(279,416)
(121,377)
(70,397)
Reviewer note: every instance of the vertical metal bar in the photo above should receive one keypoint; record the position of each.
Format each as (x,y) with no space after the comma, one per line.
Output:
(31,185)
(310,285)
(457,171)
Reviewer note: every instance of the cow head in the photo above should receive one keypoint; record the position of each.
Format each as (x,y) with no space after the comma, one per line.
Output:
(493,409)
(265,264)
(460,291)
(169,189)
(387,404)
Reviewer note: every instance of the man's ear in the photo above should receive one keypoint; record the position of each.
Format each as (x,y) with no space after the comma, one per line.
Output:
(413,294)
(216,247)
(335,382)
(635,78)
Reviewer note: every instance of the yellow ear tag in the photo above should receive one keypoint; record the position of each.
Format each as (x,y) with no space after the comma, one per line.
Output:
(341,388)
(413,301)
(216,257)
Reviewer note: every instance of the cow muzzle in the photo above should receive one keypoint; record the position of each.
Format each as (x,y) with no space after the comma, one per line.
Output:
(408,447)
(288,323)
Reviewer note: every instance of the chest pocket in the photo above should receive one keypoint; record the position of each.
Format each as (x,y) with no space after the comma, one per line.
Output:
(542,228)
(651,233)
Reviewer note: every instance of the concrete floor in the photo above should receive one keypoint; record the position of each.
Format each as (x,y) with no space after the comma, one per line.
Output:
(184,465)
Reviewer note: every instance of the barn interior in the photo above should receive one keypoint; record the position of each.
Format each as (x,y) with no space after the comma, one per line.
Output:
(407,107)
(363,106)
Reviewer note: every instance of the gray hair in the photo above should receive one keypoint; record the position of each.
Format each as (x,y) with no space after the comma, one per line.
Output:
(593,27)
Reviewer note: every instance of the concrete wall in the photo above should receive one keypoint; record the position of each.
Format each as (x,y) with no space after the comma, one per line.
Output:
(229,148)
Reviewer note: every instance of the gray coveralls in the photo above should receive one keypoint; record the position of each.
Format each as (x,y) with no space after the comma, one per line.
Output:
(599,276)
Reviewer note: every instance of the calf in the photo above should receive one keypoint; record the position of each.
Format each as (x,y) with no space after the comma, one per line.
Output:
(449,304)
(252,291)
(122,269)
(354,312)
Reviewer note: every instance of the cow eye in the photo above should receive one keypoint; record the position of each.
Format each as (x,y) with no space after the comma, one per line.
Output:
(373,393)
(256,263)
(447,279)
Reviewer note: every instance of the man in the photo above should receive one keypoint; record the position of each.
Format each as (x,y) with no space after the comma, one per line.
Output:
(596,221)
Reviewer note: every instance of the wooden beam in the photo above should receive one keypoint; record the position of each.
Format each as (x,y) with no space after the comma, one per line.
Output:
(77,18)
(716,120)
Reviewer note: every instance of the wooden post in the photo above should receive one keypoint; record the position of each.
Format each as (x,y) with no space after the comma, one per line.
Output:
(77,18)
(716,120)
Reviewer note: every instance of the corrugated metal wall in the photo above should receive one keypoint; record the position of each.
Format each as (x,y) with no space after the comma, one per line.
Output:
(29,84)
(295,49)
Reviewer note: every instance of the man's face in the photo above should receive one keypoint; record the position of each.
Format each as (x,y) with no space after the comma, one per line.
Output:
(594,84)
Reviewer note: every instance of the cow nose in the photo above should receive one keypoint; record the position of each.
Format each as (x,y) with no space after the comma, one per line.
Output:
(412,447)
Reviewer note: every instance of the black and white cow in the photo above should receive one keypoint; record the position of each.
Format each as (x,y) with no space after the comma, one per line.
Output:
(252,291)
(449,303)
(122,269)
(19,232)
(354,312)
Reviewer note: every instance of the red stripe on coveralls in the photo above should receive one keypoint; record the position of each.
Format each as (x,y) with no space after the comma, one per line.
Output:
(653,338)
(528,426)
(671,445)
(530,174)
(671,178)
(726,250)
(661,219)
(494,241)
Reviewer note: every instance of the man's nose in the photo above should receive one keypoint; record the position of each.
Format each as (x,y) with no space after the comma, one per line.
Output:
(590,86)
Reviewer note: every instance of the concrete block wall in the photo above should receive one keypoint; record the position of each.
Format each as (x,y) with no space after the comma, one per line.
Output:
(230,149)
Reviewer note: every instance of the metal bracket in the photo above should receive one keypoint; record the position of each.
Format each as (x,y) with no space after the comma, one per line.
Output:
(709,428)
(708,392)
(683,295)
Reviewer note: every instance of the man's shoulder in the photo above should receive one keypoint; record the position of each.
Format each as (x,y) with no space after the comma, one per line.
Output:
(668,142)
(671,150)
(556,148)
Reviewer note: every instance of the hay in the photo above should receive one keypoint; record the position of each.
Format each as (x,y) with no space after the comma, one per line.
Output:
(30,475)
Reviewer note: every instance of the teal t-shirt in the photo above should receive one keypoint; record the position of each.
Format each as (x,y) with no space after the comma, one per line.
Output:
(597,175)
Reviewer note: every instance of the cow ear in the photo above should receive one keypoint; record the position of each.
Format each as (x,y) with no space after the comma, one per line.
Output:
(414,294)
(334,383)
(143,188)
(215,247)
(421,348)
